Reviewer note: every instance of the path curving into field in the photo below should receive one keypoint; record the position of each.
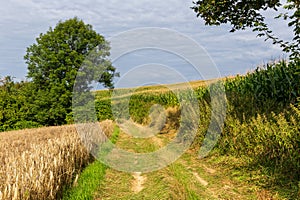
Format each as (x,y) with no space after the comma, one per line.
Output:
(186,178)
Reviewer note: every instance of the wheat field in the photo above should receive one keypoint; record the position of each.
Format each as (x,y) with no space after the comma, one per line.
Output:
(39,163)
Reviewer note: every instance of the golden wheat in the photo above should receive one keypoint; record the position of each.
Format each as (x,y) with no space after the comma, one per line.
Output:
(38,163)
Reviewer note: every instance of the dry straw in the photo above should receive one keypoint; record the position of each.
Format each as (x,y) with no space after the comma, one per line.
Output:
(38,163)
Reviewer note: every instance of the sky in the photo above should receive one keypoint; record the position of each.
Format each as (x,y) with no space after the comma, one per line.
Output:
(22,21)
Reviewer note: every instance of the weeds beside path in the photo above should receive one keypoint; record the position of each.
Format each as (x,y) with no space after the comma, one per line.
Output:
(187,178)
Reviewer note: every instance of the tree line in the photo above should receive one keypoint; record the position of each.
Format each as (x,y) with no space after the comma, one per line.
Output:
(53,62)
(72,48)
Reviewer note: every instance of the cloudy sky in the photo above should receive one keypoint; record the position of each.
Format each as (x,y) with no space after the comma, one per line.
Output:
(22,21)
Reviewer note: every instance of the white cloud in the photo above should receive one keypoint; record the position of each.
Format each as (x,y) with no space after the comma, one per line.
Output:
(22,20)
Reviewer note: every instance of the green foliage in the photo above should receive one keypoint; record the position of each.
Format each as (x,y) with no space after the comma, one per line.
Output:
(15,105)
(270,141)
(242,14)
(103,109)
(59,53)
(263,118)
(270,88)
(53,63)
(139,104)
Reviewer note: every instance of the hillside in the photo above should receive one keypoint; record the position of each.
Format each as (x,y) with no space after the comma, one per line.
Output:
(256,157)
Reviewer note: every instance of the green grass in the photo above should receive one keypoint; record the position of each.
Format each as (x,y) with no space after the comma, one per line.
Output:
(90,178)
(178,180)
(88,182)
(117,185)
(257,156)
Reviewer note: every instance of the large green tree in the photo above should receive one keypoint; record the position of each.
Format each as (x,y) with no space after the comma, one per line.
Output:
(53,62)
(245,13)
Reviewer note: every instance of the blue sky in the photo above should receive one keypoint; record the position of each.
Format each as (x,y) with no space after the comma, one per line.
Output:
(22,21)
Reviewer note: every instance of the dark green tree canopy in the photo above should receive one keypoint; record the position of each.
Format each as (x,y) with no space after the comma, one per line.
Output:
(244,13)
(58,54)
(54,62)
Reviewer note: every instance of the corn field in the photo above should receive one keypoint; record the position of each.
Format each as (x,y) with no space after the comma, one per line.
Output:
(270,86)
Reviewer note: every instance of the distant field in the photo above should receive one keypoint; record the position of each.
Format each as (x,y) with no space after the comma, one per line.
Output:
(154,89)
